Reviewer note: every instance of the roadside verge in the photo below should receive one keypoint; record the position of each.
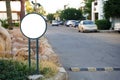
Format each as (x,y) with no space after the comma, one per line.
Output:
(62,74)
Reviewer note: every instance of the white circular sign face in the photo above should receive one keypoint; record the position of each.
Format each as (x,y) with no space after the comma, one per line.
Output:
(33,26)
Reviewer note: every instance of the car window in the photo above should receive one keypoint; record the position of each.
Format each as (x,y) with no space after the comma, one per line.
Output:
(88,22)
(54,21)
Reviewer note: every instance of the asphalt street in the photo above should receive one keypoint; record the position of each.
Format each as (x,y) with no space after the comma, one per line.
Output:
(86,50)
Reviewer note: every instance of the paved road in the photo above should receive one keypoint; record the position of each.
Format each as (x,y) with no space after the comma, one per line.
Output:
(86,50)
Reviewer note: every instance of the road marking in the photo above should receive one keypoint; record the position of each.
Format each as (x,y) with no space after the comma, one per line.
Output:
(94,69)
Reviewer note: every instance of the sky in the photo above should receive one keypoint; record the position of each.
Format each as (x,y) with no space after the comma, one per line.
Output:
(50,6)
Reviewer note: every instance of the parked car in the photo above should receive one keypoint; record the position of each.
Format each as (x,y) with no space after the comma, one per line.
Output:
(87,25)
(76,23)
(60,22)
(55,23)
(70,23)
(117,27)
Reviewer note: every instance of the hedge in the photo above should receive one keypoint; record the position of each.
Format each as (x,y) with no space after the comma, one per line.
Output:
(103,24)
(14,70)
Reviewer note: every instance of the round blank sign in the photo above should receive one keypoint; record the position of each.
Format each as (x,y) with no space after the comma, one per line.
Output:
(33,26)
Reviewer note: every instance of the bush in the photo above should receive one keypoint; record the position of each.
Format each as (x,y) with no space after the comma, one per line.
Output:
(103,24)
(16,24)
(14,70)
(4,23)
(48,68)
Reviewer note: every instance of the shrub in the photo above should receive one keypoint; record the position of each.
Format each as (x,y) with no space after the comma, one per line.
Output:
(4,23)
(14,70)
(48,68)
(17,70)
(16,24)
(103,24)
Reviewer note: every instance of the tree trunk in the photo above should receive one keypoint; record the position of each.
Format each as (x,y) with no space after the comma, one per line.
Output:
(22,14)
(9,14)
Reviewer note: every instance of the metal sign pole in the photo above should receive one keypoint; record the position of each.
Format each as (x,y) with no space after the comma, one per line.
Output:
(29,51)
(35,30)
(37,55)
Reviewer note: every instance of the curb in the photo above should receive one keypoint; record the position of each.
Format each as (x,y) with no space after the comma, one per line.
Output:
(62,75)
(107,31)
(93,69)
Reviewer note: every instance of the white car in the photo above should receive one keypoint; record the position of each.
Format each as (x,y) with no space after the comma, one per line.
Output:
(117,27)
(87,25)
(70,23)
(55,23)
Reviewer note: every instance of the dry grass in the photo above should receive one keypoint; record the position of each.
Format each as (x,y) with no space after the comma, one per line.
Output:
(6,55)
(48,68)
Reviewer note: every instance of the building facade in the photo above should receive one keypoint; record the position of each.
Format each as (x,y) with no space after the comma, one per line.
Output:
(97,9)
(15,9)
(15,6)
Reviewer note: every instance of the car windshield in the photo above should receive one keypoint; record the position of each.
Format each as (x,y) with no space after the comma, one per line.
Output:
(88,22)
(77,21)
(54,21)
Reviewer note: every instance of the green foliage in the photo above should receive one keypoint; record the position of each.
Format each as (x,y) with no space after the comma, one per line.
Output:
(17,70)
(4,23)
(112,8)
(88,6)
(16,24)
(14,70)
(103,24)
(71,14)
(50,17)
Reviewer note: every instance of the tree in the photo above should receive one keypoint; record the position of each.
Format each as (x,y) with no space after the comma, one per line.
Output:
(50,17)
(35,7)
(112,8)
(71,14)
(57,14)
(29,7)
(9,15)
(88,7)
(22,14)
(41,10)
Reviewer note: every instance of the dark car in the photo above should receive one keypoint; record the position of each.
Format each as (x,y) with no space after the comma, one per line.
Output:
(76,23)
(60,22)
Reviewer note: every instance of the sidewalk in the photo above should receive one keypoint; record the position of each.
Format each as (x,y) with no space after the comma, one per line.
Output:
(107,31)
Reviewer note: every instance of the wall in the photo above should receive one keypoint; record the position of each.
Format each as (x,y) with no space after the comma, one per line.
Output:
(97,10)
(15,8)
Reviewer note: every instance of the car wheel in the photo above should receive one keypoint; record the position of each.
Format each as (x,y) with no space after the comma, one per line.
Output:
(70,25)
(96,31)
(78,30)
(82,30)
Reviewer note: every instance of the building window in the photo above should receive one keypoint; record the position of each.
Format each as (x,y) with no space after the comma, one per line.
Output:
(95,3)
(96,16)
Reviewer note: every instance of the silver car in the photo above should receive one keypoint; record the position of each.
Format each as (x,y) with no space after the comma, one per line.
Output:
(70,23)
(87,25)
(55,23)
